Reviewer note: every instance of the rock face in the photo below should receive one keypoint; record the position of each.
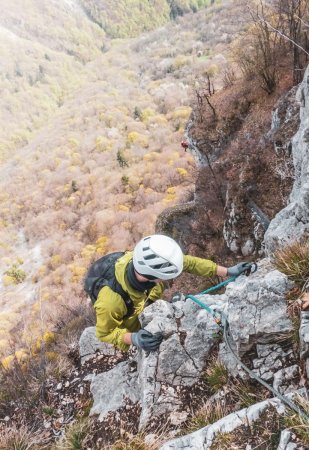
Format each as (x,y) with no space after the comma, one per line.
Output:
(292,222)
(246,222)
(257,314)
(257,311)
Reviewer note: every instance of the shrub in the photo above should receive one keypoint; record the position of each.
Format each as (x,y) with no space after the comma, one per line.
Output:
(125,180)
(122,161)
(170,194)
(16,274)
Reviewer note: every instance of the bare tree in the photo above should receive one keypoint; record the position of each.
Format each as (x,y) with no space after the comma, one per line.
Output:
(293,28)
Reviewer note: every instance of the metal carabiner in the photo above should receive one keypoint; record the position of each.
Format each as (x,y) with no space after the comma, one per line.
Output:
(251,269)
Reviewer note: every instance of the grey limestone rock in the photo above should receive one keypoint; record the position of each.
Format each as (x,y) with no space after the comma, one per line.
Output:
(291,446)
(89,344)
(190,334)
(113,389)
(285,439)
(203,438)
(292,222)
(284,379)
(257,311)
(304,335)
(271,357)
(257,315)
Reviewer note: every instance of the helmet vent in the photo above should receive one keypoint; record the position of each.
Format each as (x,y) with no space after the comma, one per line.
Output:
(161,266)
(151,256)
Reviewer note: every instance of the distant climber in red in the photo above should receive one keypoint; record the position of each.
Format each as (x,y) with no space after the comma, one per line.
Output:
(184,144)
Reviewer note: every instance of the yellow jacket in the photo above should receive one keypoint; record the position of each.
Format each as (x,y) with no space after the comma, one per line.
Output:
(111,309)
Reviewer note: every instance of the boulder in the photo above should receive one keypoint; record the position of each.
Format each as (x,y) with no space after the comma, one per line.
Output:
(89,345)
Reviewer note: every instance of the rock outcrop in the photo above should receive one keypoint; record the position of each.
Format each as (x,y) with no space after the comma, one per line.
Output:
(205,437)
(292,222)
(155,380)
(257,313)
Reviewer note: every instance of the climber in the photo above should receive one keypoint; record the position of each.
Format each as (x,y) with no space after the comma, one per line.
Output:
(141,274)
(184,145)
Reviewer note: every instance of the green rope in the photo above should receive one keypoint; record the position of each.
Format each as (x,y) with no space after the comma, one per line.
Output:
(218,286)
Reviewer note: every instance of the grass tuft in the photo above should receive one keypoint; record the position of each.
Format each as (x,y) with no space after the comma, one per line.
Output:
(246,393)
(76,436)
(298,424)
(293,260)
(216,375)
(20,437)
(223,441)
(209,413)
(139,442)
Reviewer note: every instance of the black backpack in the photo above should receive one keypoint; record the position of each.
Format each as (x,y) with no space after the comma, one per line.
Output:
(102,273)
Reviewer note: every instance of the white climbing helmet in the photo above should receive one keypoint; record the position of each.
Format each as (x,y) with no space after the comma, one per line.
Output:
(158,256)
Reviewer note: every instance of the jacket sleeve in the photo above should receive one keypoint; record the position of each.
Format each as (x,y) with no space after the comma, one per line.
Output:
(110,310)
(199,266)
(156,292)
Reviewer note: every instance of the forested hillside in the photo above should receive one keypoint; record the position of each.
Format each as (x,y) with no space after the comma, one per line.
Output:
(131,18)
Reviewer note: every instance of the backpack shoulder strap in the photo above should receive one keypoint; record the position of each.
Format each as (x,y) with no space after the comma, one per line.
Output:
(102,273)
(116,287)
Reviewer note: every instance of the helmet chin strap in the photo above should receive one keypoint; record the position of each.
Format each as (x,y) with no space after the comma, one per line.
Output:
(140,286)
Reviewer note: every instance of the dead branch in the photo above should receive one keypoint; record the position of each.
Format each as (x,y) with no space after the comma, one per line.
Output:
(261,19)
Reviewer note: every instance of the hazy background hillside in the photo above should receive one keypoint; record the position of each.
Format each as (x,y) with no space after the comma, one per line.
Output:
(90,136)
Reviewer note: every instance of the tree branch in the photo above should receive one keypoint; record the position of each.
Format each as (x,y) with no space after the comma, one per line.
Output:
(282,34)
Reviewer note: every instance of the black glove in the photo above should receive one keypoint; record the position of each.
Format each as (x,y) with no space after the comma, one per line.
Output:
(147,341)
(234,271)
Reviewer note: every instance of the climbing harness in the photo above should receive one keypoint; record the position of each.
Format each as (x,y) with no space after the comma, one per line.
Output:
(221,320)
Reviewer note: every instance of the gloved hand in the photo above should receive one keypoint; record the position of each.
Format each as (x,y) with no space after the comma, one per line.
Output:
(147,341)
(234,271)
